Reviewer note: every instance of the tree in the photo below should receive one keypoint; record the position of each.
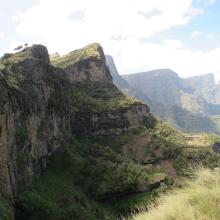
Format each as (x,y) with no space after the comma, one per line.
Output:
(18,48)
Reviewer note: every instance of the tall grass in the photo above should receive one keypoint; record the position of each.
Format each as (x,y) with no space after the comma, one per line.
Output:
(198,200)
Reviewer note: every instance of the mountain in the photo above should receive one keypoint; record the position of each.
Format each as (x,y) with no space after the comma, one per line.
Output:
(117,79)
(42,105)
(45,104)
(67,136)
(195,94)
(122,83)
(73,146)
(190,104)
(160,85)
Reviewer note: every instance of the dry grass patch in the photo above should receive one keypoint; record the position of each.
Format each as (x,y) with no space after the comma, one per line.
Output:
(198,200)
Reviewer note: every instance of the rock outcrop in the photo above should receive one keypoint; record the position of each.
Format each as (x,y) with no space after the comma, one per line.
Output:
(42,106)
(86,64)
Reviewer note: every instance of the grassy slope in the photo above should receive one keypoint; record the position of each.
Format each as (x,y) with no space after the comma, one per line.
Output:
(76,55)
(198,200)
(96,96)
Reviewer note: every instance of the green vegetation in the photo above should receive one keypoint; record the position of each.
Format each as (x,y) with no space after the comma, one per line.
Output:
(8,60)
(6,210)
(198,200)
(90,180)
(12,77)
(21,136)
(128,205)
(93,177)
(168,139)
(95,97)
(76,55)
(77,179)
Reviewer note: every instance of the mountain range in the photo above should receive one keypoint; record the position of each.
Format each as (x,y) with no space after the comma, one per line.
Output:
(73,146)
(190,104)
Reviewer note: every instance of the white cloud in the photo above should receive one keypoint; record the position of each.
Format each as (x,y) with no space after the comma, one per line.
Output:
(210,2)
(211,35)
(64,25)
(174,55)
(195,33)
(103,20)
(2,34)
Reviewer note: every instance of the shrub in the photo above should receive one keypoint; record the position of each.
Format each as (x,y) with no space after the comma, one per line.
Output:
(6,210)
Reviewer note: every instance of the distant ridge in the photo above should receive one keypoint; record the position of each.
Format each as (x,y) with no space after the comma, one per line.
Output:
(190,104)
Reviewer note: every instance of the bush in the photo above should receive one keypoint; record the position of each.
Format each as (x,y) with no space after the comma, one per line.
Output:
(150,121)
(6,210)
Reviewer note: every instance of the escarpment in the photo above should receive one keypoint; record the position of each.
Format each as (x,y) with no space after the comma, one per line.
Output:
(42,105)
(85,65)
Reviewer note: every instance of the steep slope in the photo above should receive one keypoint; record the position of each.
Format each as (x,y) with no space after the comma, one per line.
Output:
(123,85)
(41,106)
(161,85)
(45,110)
(203,86)
(117,79)
(73,146)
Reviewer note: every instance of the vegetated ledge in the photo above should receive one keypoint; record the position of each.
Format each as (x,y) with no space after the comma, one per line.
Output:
(93,50)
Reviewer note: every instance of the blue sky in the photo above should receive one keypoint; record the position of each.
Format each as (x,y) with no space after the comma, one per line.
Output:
(141,35)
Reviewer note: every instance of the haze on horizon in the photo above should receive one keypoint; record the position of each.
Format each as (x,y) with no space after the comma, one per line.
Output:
(141,35)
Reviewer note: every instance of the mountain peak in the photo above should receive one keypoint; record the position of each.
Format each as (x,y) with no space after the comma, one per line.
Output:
(93,50)
(36,51)
(164,73)
(201,80)
(84,65)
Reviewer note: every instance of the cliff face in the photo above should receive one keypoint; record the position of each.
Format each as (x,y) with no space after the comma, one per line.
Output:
(42,106)
(85,65)
(117,79)
(30,129)
(162,85)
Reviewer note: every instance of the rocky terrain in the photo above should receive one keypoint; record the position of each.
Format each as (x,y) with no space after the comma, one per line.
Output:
(43,106)
(190,104)
(47,106)
(72,146)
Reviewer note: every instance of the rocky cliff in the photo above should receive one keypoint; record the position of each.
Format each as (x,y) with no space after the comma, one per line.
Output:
(85,65)
(42,105)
